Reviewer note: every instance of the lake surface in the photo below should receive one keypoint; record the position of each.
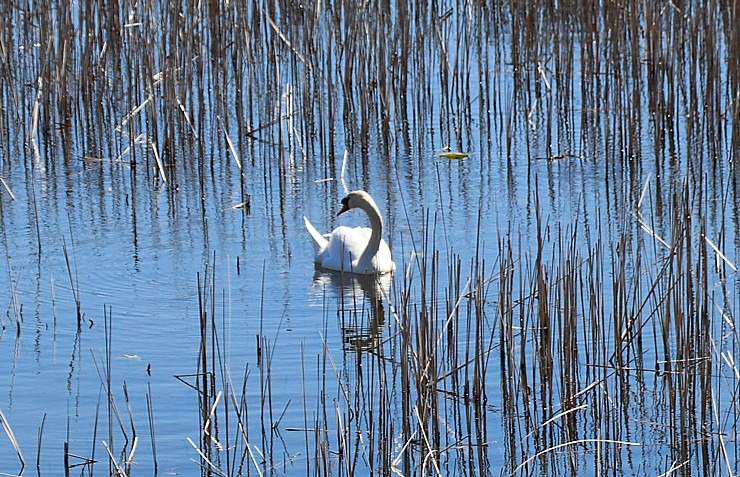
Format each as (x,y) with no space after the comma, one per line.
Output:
(565,294)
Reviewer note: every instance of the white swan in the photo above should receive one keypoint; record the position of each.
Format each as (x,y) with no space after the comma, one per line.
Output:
(359,250)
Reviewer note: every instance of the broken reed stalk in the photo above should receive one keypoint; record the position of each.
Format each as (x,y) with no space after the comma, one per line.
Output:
(16,305)
(204,377)
(106,381)
(7,188)
(73,282)
(13,441)
(152,433)
(38,444)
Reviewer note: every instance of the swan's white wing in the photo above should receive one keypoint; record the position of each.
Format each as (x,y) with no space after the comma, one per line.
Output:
(317,240)
(346,244)
(383,262)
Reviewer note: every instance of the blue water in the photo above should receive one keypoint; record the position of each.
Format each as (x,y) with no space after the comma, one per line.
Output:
(138,247)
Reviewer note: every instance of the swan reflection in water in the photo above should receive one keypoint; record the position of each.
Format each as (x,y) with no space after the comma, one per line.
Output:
(360,303)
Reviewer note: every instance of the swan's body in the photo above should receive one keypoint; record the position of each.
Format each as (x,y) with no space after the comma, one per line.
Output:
(359,250)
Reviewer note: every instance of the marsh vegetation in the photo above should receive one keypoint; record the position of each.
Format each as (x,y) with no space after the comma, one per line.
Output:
(565,295)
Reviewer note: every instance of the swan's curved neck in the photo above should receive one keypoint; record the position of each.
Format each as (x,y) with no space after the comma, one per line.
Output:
(376,226)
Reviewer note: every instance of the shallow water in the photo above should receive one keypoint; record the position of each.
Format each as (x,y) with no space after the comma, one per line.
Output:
(578,155)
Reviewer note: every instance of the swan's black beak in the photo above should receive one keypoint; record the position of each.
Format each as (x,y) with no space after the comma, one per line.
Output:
(345,206)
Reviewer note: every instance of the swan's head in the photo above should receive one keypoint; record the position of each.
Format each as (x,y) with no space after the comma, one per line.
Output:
(357,199)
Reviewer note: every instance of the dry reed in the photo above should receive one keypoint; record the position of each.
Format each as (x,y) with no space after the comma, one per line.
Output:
(612,332)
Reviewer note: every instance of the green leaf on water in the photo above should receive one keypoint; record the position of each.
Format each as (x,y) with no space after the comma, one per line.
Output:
(453,155)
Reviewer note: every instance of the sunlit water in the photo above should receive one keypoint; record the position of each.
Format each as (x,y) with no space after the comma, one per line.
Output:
(134,250)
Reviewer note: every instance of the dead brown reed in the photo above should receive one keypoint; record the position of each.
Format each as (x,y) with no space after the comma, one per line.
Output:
(612,332)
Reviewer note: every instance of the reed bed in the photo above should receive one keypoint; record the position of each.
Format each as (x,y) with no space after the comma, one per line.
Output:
(565,359)
(166,87)
(604,343)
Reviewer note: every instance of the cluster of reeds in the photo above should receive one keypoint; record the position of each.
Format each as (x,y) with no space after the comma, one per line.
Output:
(114,436)
(167,87)
(606,342)
(579,355)
(603,349)
(404,393)
(620,345)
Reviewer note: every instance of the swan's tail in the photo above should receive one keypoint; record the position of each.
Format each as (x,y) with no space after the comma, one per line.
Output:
(317,240)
